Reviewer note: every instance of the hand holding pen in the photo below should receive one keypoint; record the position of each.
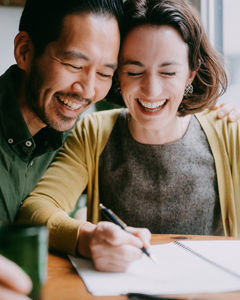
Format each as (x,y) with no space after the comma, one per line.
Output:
(110,248)
(115,219)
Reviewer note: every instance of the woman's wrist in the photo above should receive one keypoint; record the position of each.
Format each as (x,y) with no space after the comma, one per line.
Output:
(84,239)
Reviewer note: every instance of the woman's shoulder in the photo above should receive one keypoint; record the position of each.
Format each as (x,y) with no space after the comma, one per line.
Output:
(103,117)
(221,127)
(211,116)
(97,125)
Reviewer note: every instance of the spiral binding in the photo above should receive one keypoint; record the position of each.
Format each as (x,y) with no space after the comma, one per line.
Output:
(207,260)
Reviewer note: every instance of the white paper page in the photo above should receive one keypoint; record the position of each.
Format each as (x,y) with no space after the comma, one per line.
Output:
(226,253)
(178,271)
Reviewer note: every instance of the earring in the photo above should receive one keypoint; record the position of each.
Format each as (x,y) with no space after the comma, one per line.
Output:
(188,90)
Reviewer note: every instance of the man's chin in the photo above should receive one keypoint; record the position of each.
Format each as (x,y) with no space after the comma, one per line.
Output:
(63,125)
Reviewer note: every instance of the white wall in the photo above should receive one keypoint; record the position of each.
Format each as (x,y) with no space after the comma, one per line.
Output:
(9,20)
(231,34)
(231,27)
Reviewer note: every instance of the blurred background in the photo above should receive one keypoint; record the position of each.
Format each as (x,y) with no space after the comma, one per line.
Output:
(220,18)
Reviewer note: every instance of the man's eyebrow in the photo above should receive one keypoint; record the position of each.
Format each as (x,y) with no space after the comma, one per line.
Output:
(111,66)
(73,55)
(79,55)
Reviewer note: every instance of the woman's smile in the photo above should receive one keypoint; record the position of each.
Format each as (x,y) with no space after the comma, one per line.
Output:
(150,106)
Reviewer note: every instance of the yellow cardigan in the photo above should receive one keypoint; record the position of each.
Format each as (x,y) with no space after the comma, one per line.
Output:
(76,168)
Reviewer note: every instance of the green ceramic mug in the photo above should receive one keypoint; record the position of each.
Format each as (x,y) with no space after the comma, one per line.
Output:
(27,246)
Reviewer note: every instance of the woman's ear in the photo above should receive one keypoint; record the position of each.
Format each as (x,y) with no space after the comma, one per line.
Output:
(191,76)
(193,73)
(23,50)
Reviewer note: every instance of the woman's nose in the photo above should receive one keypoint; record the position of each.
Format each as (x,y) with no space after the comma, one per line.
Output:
(151,86)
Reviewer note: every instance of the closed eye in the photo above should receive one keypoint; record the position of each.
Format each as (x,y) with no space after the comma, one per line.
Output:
(134,74)
(168,73)
(75,67)
(72,66)
(104,75)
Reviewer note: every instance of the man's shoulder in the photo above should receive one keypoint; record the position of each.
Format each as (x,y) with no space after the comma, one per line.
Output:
(10,74)
(8,86)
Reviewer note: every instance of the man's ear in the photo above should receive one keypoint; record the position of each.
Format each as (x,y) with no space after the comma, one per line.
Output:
(23,50)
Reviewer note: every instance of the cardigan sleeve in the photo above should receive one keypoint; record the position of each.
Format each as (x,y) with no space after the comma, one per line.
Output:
(57,192)
(224,140)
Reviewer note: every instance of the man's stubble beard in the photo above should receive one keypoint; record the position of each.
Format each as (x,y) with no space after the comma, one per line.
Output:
(33,92)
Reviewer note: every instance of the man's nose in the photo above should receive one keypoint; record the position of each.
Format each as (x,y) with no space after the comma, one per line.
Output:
(85,85)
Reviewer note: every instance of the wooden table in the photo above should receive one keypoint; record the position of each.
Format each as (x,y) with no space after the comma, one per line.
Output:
(64,283)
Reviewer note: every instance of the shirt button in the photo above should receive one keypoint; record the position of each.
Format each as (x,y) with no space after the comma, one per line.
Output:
(10,141)
(28,143)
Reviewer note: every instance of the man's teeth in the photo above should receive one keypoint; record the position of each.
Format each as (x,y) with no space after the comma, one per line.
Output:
(69,103)
(152,105)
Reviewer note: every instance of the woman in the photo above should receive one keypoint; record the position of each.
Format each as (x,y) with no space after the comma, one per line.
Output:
(157,164)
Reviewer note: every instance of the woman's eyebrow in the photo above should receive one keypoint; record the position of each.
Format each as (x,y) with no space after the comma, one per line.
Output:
(139,64)
(169,63)
(132,62)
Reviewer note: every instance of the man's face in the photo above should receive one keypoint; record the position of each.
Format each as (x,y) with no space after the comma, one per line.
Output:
(74,71)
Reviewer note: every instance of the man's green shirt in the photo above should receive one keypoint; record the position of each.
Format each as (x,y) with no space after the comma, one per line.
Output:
(23,158)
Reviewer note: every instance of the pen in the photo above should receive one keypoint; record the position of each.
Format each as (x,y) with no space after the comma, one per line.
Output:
(115,219)
(138,296)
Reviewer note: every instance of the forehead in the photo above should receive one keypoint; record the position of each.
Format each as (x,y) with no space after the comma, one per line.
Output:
(86,21)
(89,33)
(156,42)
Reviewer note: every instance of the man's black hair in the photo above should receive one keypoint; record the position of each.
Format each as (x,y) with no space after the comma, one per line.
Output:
(43,19)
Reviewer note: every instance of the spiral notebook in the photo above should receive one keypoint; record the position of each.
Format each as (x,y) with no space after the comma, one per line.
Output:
(184,267)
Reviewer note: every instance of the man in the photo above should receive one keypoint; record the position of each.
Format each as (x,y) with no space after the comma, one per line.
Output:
(66,54)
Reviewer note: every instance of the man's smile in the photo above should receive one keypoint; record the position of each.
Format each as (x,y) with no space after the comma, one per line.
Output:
(73,104)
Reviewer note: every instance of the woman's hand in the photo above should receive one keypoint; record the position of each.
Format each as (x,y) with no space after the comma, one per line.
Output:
(111,248)
(14,283)
(228,109)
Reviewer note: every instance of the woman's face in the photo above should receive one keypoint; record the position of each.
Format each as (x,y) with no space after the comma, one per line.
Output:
(153,74)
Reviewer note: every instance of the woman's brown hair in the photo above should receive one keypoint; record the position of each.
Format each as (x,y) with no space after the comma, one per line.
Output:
(210,81)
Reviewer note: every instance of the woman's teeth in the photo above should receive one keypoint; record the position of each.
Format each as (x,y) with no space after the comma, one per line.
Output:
(69,103)
(152,105)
